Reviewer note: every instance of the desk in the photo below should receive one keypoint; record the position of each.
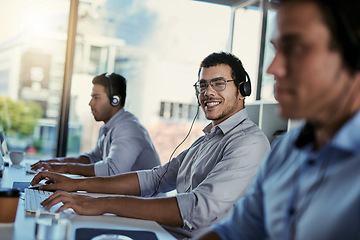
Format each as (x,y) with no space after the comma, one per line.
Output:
(24,226)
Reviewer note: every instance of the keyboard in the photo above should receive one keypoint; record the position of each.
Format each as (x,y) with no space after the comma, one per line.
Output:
(33,198)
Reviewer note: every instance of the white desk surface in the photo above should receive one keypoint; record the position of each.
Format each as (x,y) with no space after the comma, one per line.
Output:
(24,226)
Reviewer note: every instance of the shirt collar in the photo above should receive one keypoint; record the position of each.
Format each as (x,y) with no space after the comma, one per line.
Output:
(347,138)
(229,123)
(113,119)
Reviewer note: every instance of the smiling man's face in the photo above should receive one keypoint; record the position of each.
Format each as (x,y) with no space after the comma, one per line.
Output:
(219,106)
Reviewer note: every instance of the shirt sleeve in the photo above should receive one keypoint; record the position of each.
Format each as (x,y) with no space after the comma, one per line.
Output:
(215,196)
(95,154)
(160,179)
(126,143)
(247,220)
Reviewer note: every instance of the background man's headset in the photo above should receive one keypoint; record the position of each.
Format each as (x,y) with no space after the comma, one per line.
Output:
(114,99)
(244,87)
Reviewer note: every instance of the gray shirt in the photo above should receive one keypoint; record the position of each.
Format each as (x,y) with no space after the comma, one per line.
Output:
(123,145)
(212,174)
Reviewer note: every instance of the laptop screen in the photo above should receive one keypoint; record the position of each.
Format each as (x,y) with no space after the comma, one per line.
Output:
(3,147)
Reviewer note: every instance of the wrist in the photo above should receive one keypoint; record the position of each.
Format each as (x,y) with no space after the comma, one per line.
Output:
(66,167)
(80,184)
(62,159)
(111,204)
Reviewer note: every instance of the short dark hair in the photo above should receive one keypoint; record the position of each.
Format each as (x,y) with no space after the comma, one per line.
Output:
(118,85)
(217,58)
(342,19)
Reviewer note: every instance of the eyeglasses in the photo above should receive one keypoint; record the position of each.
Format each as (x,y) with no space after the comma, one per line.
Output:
(216,84)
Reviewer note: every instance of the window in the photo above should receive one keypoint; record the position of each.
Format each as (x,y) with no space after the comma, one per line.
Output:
(156,44)
(246,41)
(267,88)
(32,55)
(179,111)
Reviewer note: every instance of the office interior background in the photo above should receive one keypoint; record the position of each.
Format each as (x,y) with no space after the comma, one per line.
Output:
(51,49)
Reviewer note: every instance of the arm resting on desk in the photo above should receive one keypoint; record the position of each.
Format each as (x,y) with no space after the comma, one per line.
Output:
(162,210)
(84,169)
(80,159)
(125,184)
(79,165)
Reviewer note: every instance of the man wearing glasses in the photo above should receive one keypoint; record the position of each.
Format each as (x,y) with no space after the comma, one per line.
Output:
(209,176)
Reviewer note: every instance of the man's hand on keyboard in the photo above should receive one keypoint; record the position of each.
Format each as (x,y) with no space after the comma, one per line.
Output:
(52,165)
(54,181)
(81,204)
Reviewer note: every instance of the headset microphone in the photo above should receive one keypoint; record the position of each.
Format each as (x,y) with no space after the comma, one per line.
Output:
(168,164)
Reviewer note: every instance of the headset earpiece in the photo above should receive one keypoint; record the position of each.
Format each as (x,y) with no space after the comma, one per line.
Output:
(114,99)
(245,87)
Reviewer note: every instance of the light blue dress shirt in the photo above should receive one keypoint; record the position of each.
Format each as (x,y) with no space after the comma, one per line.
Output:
(212,174)
(301,194)
(123,145)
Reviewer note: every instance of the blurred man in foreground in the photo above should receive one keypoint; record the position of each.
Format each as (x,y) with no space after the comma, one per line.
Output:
(308,186)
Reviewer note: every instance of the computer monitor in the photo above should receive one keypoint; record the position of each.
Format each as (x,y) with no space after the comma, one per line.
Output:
(3,149)
(3,146)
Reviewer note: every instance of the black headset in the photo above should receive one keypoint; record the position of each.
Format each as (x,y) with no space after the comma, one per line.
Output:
(244,87)
(114,99)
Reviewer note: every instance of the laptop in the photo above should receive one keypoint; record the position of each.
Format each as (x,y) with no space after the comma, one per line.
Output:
(3,150)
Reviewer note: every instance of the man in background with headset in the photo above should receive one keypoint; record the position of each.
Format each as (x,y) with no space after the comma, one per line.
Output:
(308,186)
(123,144)
(209,176)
